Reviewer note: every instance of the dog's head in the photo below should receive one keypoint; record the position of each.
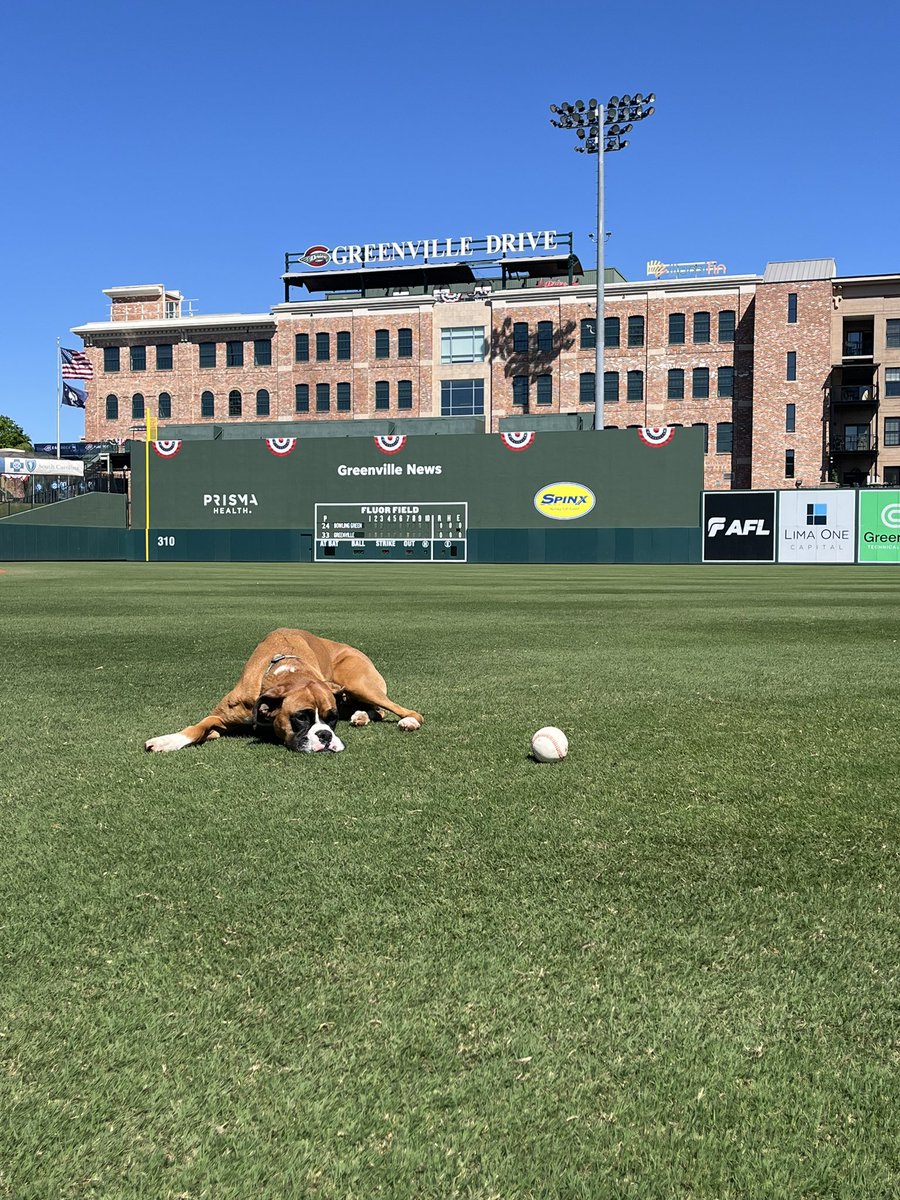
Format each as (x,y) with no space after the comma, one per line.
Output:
(302,713)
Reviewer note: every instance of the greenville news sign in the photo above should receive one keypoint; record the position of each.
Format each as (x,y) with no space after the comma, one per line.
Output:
(432,249)
(879,526)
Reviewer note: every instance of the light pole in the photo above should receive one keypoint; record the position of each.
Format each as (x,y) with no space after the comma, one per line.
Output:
(601,128)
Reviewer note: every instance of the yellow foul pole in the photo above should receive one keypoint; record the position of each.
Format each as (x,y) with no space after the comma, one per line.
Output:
(151,431)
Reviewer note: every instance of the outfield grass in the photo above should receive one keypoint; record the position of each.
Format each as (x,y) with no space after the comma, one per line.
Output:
(429,967)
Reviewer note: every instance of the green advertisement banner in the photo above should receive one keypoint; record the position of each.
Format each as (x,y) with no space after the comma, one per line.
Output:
(879,526)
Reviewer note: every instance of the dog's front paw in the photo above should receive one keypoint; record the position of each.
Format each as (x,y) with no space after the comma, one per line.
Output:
(360,718)
(166,742)
(408,724)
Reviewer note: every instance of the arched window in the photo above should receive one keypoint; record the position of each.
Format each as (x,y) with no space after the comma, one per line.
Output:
(164,406)
(235,404)
(207,404)
(137,407)
(262,403)
(112,408)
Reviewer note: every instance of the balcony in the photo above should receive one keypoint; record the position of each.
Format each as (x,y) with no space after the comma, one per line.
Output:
(856,394)
(854,443)
(858,345)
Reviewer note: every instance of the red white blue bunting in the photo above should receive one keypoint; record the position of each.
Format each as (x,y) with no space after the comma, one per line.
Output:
(281,447)
(391,443)
(166,449)
(656,435)
(517,441)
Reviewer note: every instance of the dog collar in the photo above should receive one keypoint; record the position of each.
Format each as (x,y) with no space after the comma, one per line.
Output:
(277,659)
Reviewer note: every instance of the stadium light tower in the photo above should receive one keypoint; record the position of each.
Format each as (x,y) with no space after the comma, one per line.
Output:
(601,128)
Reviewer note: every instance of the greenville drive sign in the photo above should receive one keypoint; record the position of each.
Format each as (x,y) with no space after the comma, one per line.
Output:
(430,248)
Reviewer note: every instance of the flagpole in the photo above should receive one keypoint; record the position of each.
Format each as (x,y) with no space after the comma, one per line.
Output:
(58,393)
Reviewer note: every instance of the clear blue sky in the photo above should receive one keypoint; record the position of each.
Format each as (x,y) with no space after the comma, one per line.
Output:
(192,144)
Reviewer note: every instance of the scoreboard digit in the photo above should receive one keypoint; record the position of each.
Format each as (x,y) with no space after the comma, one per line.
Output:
(431,531)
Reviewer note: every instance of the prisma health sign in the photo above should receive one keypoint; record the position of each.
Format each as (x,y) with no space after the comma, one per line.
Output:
(739,527)
(817,527)
(879,526)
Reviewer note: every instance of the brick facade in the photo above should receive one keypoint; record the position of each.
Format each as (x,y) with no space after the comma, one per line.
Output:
(737,334)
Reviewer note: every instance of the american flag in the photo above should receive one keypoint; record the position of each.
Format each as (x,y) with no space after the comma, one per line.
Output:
(75,365)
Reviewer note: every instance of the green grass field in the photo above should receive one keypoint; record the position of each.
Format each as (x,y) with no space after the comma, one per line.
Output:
(429,967)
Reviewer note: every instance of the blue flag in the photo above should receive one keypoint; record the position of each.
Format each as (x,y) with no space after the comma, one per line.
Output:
(73,396)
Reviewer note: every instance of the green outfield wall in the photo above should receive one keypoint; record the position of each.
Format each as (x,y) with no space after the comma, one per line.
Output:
(89,528)
(623,495)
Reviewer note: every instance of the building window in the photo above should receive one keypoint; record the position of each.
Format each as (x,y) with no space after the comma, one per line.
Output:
(891,432)
(725,382)
(636,331)
(262,403)
(164,406)
(234,354)
(110,358)
(724,437)
(676,385)
(587,387)
(892,381)
(611,334)
(301,347)
(701,326)
(892,476)
(343,397)
(544,389)
(520,337)
(207,357)
(404,393)
(726,325)
(700,383)
(382,343)
(382,394)
(301,397)
(676,329)
(404,343)
(610,387)
(207,404)
(520,391)
(235,404)
(791,366)
(463,345)
(343,345)
(323,347)
(112,408)
(164,357)
(544,336)
(790,418)
(635,386)
(892,334)
(462,397)
(792,308)
(137,407)
(262,352)
(139,358)
(323,397)
(702,425)
(789,464)
(588,334)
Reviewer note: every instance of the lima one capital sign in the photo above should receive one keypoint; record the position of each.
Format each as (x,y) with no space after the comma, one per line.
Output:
(495,244)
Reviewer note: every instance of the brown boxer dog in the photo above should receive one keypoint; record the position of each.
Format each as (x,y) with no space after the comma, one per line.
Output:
(291,689)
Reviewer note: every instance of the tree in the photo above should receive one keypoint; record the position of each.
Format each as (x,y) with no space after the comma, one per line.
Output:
(13,436)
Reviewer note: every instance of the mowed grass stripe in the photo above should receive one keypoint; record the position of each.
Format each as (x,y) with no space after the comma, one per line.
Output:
(428,966)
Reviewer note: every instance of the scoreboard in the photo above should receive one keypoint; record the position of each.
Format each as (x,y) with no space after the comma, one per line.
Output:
(433,531)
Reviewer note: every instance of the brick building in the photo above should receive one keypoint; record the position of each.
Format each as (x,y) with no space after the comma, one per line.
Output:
(795,373)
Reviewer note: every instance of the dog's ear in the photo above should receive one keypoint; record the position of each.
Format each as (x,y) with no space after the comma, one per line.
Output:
(336,688)
(266,706)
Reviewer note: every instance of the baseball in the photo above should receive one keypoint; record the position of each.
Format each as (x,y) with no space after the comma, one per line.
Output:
(549,744)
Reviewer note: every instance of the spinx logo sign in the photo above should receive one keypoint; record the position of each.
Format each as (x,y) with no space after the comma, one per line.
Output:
(737,528)
(564,501)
